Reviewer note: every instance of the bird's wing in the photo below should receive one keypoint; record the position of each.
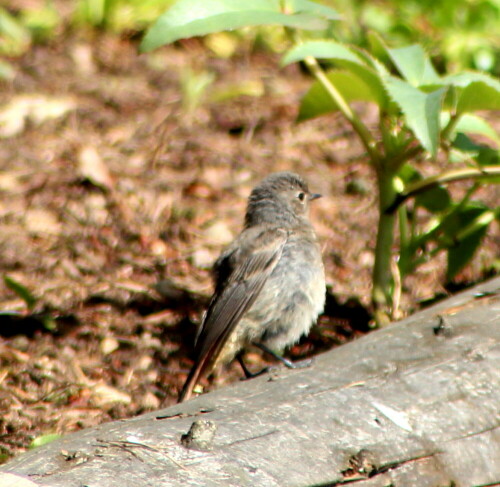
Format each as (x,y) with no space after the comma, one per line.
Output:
(241,274)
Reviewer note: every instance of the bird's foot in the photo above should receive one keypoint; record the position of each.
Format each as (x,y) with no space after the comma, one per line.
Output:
(248,374)
(302,364)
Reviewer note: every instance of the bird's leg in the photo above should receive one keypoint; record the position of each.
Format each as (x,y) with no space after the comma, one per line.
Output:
(248,374)
(287,363)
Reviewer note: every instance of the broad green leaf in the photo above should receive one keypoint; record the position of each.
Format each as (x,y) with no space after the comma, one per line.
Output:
(189,18)
(409,174)
(474,224)
(371,79)
(462,253)
(21,290)
(320,50)
(467,77)
(348,59)
(479,95)
(489,157)
(473,124)
(371,61)
(465,144)
(317,101)
(421,110)
(414,65)
(457,219)
(378,47)
(434,200)
(465,149)
(304,6)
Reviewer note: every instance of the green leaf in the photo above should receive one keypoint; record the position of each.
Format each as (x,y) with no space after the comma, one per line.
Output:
(371,61)
(465,78)
(489,157)
(306,6)
(21,291)
(461,254)
(321,50)
(378,47)
(363,76)
(478,96)
(465,144)
(473,124)
(482,154)
(317,101)
(15,38)
(189,18)
(474,224)
(409,174)
(434,200)
(455,221)
(421,110)
(44,439)
(414,65)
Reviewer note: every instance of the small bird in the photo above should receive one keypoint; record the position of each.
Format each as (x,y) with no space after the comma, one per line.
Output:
(269,282)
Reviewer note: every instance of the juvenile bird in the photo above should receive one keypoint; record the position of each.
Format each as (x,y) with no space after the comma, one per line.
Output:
(269,282)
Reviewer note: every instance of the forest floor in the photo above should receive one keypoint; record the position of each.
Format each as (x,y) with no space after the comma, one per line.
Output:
(118,190)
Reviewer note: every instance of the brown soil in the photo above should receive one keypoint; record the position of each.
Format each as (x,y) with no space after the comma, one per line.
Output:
(130,188)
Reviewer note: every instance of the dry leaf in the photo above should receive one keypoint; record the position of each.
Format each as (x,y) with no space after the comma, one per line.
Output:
(203,259)
(219,233)
(40,221)
(83,58)
(149,401)
(109,345)
(36,108)
(105,395)
(92,167)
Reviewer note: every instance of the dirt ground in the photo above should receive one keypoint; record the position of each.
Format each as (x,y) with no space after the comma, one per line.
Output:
(117,192)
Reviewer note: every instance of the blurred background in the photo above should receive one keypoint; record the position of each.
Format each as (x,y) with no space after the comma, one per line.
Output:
(458,35)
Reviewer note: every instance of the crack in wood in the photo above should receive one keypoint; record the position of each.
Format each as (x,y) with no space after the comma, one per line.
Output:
(185,415)
(474,433)
(379,471)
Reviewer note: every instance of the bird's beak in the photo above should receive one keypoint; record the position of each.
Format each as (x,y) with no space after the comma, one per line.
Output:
(314,196)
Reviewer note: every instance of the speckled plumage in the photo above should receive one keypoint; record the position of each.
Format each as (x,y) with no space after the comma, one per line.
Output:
(269,282)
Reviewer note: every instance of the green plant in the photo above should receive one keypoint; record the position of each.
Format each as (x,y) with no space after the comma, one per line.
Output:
(119,15)
(14,37)
(193,87)
(421,114)
(463,35)
(31,301)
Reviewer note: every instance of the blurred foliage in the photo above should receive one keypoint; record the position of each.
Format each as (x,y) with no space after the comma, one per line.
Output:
(23,24)
(458,34)
(119,15)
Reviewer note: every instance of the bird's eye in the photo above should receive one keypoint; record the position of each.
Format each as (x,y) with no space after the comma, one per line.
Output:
(301,196)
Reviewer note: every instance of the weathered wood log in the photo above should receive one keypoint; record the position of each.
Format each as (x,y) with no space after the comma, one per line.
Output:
(414,404)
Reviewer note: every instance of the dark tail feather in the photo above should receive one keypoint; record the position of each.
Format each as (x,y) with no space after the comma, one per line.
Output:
(191,380)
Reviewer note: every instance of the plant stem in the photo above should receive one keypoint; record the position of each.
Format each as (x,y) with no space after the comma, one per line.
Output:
(452,122)
(360,128)
(445,177)
(382,276)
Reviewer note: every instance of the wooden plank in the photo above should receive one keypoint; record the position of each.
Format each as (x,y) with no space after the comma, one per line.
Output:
(417,403)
